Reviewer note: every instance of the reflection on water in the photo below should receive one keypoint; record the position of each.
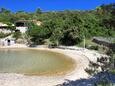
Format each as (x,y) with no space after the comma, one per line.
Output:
(34,62)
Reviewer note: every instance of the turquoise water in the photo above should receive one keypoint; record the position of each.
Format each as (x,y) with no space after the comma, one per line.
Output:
(34,62)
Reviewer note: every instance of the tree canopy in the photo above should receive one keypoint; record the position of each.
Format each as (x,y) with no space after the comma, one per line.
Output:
(66,27)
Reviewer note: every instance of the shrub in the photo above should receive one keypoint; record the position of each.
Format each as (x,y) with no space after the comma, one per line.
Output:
(93,47)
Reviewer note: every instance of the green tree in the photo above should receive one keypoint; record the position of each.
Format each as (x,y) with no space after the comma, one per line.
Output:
(17,34)
(38,11)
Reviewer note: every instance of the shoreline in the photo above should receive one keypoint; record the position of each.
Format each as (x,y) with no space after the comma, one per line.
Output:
(82,62)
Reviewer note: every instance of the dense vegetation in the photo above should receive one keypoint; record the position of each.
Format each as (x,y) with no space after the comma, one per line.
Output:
(2,35)
(66,27)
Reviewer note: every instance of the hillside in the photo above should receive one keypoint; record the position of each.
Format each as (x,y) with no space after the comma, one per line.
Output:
(66,27)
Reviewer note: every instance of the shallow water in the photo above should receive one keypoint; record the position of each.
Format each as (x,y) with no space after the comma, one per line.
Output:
(34,62)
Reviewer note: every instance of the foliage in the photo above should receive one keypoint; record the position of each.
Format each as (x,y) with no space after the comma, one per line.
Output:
(111,53)
(94,47)
(17,34)
(56,36)
(2,35)
(66,27)
(104,82)
(38,33)
(38,11)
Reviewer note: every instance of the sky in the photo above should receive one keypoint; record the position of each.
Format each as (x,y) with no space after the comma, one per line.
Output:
(51,5)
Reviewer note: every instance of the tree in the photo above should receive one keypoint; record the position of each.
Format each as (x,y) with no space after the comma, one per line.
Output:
(17,34)
(3,10)
(56,36)
(38,33)
(38,11)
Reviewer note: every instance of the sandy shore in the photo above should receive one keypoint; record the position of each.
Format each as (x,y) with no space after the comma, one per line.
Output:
(81,57)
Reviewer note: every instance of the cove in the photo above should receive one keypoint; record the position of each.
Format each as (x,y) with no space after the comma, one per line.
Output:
(34,62)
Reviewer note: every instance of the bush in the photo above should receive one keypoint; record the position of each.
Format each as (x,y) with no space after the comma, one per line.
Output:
(3,35)
(17,34)
(112,71)
(93,47)
(52,46)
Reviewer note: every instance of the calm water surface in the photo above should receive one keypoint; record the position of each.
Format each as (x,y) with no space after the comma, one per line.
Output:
(34,62)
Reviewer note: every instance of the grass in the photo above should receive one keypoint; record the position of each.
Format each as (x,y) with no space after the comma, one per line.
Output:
(88,42)
(93,46)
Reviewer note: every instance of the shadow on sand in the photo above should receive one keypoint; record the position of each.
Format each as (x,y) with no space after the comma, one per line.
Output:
(93,81)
